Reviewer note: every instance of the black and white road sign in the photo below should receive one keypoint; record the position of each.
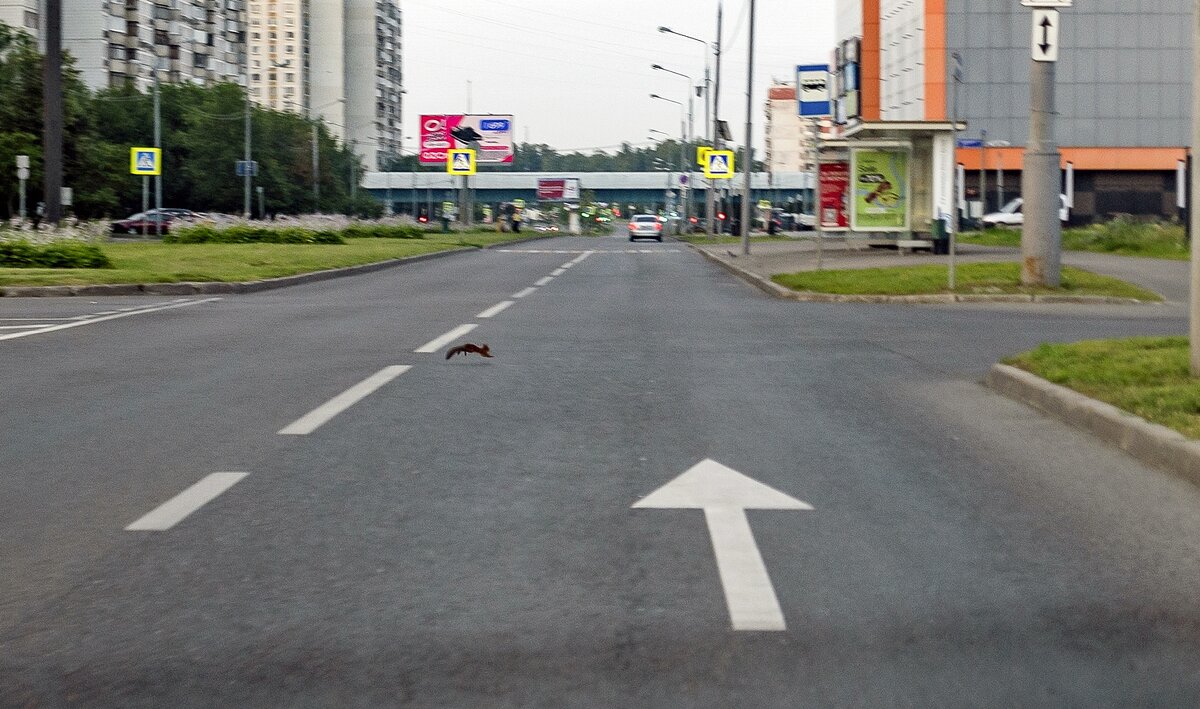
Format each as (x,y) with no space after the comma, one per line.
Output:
(1045,35)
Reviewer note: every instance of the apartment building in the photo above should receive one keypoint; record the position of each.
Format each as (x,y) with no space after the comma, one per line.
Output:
(789,136)
(1123,89)
(339,61)
(119,42)
(22,14)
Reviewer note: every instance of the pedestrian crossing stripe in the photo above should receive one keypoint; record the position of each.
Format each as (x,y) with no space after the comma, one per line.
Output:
(460,162)
(719,164)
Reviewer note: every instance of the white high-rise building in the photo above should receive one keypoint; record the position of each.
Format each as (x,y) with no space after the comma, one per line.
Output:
(338,61)
(22,14)
(119,42)
(789,136)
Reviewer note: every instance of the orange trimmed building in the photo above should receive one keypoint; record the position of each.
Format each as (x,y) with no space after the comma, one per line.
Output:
(1123,91)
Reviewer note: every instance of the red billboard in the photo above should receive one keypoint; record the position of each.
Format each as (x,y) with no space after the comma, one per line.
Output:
(834,193)
(557,189)
(491,136)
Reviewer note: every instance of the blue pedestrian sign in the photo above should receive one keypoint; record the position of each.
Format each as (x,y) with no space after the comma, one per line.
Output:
(145,161)
(719,164)
(242,170)
(460,162)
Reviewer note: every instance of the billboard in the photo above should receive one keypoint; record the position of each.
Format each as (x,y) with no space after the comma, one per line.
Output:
(880,199)
(558,189)
(812,89)
(834,184)
(490,136)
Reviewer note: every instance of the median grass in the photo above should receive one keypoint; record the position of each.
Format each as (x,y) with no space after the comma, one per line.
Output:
(1120,237)
(1146,376)
(154,262)
(982,278)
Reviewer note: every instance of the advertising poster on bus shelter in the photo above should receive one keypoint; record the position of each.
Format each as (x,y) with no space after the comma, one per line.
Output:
(880,200)
(833,180)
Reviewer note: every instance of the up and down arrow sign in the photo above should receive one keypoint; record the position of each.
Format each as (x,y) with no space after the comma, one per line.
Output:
(1045,35)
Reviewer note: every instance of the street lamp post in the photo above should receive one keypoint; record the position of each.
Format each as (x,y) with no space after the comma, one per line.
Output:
(748,164)
(683,187)
(712,95)
(691,85)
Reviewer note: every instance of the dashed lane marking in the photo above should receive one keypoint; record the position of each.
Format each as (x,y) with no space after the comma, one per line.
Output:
(439,342)
(522,293)
(323,413)
(495,309)
(543,281)
(178,508)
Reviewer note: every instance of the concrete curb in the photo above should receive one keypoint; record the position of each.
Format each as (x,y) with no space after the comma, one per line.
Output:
(1150,443)
(221,287)
(772,288)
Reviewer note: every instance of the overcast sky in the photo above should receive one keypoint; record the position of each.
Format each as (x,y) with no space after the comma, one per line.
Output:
(576,73)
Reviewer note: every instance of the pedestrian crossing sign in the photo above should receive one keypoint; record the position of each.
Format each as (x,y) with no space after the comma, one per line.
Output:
(460,162)
(719,164)
(145,161)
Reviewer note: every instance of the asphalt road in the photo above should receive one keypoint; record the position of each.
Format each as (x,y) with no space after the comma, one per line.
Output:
(462,533)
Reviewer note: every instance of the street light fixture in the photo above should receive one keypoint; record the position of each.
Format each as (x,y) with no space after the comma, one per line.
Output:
(683,180)
(691,83)
(712,95)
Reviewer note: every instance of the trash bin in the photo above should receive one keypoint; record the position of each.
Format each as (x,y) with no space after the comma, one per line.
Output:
(941,237)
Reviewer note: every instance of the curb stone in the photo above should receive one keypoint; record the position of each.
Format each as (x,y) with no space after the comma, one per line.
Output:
(1150,443)
(772,288)
(236,287)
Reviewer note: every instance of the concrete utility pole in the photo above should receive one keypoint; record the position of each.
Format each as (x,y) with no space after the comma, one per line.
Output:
(748,152)
(1193,211)
(1041,237)
(52,99)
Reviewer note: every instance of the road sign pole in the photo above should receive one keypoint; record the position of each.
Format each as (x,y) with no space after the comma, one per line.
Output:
(23,200)
(711,197)
(145,199)
(1041,237)
(157,144)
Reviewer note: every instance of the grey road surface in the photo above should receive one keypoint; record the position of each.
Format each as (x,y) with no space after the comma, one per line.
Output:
(461,534)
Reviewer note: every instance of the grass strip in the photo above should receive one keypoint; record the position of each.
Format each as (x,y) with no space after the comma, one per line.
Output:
(1120,237)
(1146,376)
(975,278)
(154,262)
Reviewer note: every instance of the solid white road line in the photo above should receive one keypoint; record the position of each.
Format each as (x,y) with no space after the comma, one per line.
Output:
(175,510)
(319,416)
(143,311)
(495,309)
(525,292)
(22,327)
(543,281)
(558,272)
(438,343)
(581,257)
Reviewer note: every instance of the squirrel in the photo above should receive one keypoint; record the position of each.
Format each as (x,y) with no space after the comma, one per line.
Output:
(481,350)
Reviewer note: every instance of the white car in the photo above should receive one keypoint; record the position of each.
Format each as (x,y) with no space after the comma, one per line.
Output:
(1010,214)
(645,226)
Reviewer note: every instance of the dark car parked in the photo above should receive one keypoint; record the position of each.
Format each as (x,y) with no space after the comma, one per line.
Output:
(143,223)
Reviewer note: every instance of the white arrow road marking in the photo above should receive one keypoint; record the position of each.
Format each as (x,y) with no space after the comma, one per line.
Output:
(175,510)
(725,494)
(124,314)
(319,416)
(495,309)
(439,342)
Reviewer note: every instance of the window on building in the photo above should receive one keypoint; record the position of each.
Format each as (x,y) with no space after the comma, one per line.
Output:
(161,37)
(31,20)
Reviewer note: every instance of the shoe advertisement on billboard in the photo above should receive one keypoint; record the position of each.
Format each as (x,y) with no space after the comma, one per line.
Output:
(490,136)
